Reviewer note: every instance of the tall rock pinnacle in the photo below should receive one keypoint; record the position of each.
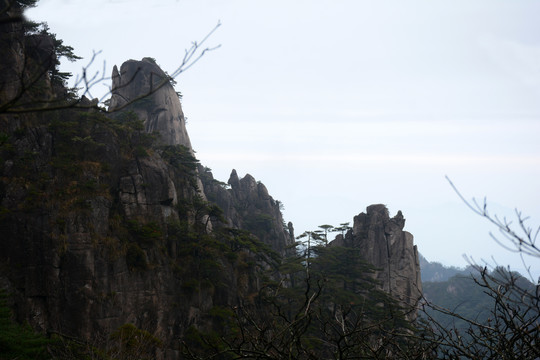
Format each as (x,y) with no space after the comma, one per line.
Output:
(392,251)
(143,87)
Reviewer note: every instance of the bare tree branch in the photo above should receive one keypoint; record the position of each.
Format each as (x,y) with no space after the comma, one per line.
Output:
(86,81)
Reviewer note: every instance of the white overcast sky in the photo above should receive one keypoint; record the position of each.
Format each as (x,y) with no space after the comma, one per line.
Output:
(335,105)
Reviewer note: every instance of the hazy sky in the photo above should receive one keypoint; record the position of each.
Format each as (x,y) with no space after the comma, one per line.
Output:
(336,105)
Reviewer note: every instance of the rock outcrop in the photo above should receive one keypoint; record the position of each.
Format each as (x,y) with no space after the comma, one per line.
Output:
(384,244)
(247,205)
(102,225)
(25,63)
(141,86)
(103,241)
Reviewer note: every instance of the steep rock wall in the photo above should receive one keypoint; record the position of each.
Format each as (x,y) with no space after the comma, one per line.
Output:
(247,205)
(88,248)
(95,233)
(98,225)
(384,244)
(147,90)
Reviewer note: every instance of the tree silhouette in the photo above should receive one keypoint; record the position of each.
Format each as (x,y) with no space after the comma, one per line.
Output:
(511,330)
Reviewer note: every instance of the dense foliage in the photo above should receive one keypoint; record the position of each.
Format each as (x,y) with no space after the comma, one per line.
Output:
(19,341)
(325,305)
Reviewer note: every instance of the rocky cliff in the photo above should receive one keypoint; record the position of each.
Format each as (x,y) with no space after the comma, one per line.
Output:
(108,218)
(142,87)
(247,204)
(384,244)
(104,220)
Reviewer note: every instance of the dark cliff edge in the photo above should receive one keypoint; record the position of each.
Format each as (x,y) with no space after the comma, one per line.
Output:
(108,219)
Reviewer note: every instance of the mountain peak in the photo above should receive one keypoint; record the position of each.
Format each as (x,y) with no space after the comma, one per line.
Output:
(143,87)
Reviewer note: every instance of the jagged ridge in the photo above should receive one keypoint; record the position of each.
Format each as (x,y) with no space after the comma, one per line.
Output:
(106,220)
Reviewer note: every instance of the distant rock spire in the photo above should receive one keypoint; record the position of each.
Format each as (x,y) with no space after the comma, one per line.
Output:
(392,251)
(149,93)
(234,181)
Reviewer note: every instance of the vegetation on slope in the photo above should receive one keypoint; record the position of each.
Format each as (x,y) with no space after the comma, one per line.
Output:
(322,305)
(19,341)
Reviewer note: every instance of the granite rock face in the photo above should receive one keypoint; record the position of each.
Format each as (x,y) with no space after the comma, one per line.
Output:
(148,188)
(24,62)
(98,226)
(247,205)
(149,93)
(85,253)
(98,222)
(384,244)
(64,251)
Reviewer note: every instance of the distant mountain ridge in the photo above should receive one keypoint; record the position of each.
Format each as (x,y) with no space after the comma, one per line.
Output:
(433,271)
(466,295)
